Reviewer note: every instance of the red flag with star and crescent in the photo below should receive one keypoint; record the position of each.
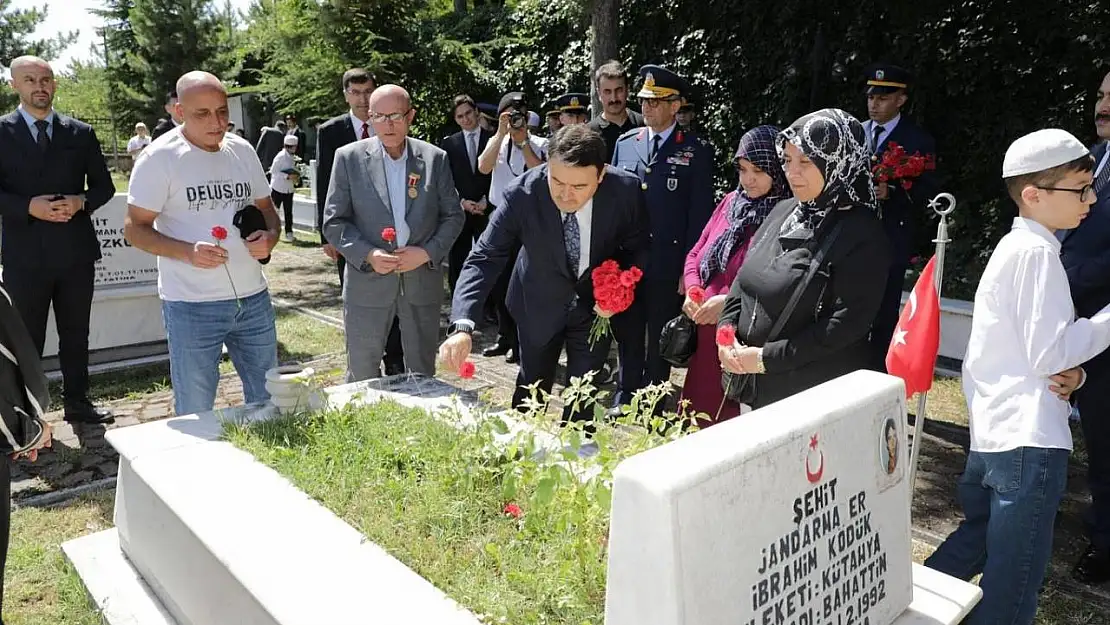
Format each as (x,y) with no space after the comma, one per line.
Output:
(912,355)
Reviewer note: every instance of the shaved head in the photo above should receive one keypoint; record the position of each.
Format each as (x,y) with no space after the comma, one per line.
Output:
(202,107)
(391,114)
(33,80)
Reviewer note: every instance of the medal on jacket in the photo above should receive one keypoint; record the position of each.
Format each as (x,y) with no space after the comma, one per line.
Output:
(413,179)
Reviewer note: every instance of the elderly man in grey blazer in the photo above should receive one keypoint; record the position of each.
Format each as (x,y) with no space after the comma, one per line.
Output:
(392,211)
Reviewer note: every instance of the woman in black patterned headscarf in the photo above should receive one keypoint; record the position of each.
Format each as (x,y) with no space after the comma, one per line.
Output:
(824,336)
(713,262)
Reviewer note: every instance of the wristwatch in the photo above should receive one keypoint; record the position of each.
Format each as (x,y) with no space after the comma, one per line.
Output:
(460,327)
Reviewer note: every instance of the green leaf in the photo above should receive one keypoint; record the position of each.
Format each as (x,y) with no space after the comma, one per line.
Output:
(545,491)
(499,426)
(509,487)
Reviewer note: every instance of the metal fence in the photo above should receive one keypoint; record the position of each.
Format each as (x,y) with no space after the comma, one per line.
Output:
(113,138)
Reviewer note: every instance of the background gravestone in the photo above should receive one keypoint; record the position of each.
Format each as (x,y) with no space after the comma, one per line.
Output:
(796,514)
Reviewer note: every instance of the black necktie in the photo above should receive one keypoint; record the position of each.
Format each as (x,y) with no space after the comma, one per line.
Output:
(43,139)
(1103,178)
(876,132)
(654,147)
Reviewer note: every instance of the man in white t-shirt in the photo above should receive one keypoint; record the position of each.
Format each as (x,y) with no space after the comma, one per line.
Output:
(136,144)
(283,180)
(185,192)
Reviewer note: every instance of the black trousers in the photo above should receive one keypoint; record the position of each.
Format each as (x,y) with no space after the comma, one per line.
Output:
(638,330)
(5,520)
(539,361)
(394,356)
(70,291)
(1094,415)
(882,329)
(473,226)
(284,201)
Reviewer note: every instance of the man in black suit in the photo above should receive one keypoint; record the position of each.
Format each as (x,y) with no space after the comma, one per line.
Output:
(50,247)
(463,149)
(292,128)
(902,208)
(333,134)
(167,124)
(568,216)
(1085,252)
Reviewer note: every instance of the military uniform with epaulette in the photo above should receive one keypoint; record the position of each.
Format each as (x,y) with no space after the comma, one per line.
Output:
(675,167)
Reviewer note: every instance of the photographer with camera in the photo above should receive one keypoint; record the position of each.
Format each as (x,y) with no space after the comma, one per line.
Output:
(512,151)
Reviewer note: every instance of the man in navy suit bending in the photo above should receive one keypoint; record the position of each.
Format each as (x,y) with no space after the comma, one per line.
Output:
(569,216)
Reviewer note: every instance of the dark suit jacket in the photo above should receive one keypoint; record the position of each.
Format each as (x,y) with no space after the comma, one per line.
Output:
(162,127)
(1086,253)
(903,209)
(270,143)
(471,184)
(74,156)
(299,134)
(330,136)
(541,286)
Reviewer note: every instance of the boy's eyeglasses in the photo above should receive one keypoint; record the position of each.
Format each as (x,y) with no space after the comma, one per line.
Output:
(381,118)
(1086,193)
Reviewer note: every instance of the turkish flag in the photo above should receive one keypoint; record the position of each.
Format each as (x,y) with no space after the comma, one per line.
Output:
(913,348)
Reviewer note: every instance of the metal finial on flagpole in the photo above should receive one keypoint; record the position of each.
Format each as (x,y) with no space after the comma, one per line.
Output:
(943,205)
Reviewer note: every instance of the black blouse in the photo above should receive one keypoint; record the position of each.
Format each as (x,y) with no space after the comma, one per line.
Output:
(827,334)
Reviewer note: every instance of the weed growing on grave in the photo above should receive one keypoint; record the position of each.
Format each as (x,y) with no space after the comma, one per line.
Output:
(499,512)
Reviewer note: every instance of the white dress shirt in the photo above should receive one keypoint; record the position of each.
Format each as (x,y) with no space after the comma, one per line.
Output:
(279,180)
(508,168)
(357,124)
(396,180)
(585,217)
(888,128)
(1024,330)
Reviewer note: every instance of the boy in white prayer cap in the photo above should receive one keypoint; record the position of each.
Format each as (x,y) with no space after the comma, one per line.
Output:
(1023,331)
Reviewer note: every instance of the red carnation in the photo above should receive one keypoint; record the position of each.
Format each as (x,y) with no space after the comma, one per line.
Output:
(636,273)
(696,295)
(219,233)
(512,510)
(466,371)
(906,184)
(726,335)
(389,235)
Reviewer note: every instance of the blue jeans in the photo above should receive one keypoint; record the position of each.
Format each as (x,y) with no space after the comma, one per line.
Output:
(197,331)
(1009,500)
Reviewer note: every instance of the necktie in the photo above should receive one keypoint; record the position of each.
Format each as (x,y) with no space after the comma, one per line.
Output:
(43,138)
(1103,178)
(472,150)
(654,147)
(876,132)
(573,241)
(365,131)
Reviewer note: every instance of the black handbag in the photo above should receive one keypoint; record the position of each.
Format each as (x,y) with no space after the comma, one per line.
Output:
(678,341)
(250,220)
(740,387)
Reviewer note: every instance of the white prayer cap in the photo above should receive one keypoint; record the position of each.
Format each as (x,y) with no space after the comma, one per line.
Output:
(1041,150)
(290,139)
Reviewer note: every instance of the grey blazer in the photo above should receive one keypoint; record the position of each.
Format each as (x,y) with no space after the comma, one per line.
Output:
(357,209)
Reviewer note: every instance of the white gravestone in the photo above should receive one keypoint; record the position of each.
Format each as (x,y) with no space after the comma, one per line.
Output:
(795,514)
(120,263)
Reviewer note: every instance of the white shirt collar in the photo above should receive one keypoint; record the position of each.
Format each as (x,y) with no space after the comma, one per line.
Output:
(1022,223)
(889,126)
(472,133)
(357,124)
(665,134)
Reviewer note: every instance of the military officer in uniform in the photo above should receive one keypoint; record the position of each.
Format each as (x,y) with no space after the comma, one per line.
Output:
(902,208)
(572,108)
(675,168)
(552,117)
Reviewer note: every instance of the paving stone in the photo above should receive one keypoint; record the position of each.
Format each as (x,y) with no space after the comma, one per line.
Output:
(122,422)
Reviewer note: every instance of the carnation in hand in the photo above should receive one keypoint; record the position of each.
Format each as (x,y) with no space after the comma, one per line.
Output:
(466,371)
(696,294)
(726,335)
(614,292)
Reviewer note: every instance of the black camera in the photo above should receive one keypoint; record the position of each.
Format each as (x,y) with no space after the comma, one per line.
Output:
(518,120)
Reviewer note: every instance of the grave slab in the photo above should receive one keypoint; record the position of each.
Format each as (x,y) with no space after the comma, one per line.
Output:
(796,514)
(122,597)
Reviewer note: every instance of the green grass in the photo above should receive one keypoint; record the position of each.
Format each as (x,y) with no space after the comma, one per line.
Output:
(40,588)
(434,499)
(122,181)
(300,338)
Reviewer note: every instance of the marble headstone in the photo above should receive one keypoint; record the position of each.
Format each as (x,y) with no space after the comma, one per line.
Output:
(795,514)
(121,264)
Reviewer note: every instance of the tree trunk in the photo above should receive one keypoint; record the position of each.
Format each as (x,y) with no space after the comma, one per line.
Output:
(605,22)
(460,7)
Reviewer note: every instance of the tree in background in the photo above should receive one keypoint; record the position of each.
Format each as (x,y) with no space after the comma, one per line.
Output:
(16,28)
(171,37)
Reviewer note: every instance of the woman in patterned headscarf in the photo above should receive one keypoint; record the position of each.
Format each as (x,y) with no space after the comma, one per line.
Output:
(713,262)
(828,168)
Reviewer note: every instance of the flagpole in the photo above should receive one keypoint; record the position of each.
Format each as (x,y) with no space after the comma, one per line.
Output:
(943,204)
